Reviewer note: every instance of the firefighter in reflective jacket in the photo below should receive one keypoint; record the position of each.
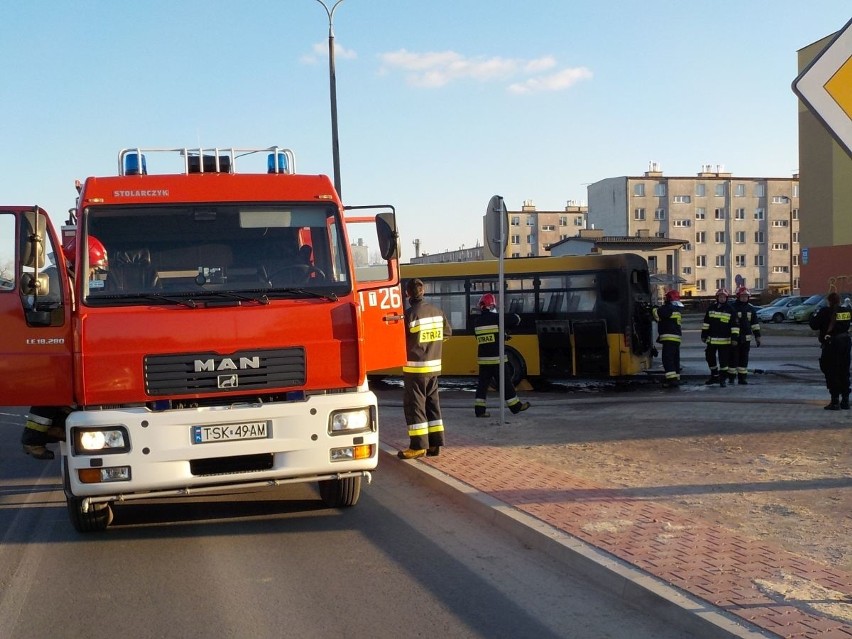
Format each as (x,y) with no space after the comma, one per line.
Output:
(716,331)
(487,330)
(668,318)
(833,323)
(426,328)
(746,327)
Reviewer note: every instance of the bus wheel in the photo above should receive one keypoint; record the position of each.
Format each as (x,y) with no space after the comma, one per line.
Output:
(96,519)
(517,366)
(340,493)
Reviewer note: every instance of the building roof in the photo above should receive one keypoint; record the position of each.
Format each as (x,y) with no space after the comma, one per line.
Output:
(632,243)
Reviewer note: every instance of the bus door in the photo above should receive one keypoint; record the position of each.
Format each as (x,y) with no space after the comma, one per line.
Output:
(35,312)
(375,251)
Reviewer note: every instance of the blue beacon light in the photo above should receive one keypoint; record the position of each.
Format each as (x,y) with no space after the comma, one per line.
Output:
(282,163)
(131,164)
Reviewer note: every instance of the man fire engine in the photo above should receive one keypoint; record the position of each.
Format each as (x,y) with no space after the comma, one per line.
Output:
(226,347)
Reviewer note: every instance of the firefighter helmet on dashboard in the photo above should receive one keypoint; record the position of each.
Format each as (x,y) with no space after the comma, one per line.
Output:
(97,252)
(742,290)
(672,296)
(488,301)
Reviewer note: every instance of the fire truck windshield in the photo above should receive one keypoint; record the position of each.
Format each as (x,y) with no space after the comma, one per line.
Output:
(251,251)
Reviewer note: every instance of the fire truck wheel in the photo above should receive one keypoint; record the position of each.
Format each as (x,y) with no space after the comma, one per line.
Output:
(295,274)
(340,493)
(96,520)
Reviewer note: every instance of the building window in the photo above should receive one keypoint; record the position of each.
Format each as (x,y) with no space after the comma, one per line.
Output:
(780,246)
(719,214)
(578,221)
(795,237)
(530,254)
(758,260)
(780,269)
(700,260)
(758,284)
(758,237)
(701,285)
(516,221)
(778,223)
(681,222)
(739,237)
(795,259)
(516,254)
(686,270)
(780,199)
(700,190)
(759,214)
(681,199)
(687,247)
(530,239)
(739,214)
(531,221)
(700,237)
(739,190)
(720,189)
(639,189)
(721,283)
(639,214)
(660,189)
(660,214)
(740,260)
(548,227)
(759,190)
(795,214)
(719,237)
(660,234)
(720,260)
(516,239)
(795,189)
(700,213)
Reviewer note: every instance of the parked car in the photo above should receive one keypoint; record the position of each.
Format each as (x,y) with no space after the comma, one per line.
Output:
(803,311)
(777,310)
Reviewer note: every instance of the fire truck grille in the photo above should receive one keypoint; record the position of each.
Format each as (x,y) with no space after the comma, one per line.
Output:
(214,373)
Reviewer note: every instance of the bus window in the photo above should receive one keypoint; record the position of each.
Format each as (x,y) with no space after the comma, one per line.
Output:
(449,296)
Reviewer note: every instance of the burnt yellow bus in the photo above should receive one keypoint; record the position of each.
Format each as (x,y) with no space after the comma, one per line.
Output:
(581,316)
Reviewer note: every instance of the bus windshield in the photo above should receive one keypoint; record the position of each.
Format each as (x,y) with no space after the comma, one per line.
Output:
(163,253)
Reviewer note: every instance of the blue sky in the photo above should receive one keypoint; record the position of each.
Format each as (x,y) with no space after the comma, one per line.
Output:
(441,103)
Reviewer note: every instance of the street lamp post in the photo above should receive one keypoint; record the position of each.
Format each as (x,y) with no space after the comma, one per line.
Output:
(335,144)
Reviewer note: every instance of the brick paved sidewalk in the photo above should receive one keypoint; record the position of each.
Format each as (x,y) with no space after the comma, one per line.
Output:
(738,575)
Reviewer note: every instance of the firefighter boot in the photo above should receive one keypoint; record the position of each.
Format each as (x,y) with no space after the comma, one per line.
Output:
(411,453)
(34,442)
(732,378)
(723,380)
(835,403)
(741,378)
(433,451)
(714,379)
(520,407)
(844,402)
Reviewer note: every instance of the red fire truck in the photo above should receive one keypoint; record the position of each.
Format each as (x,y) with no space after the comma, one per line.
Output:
(227,344)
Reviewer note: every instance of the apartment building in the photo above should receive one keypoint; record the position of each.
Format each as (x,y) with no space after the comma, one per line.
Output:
(531,232)
(737,229)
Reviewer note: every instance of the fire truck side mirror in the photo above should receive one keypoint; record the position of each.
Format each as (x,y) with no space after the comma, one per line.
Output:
(388,235)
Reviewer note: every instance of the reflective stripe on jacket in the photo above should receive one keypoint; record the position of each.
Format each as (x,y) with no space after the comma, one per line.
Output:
(425,331)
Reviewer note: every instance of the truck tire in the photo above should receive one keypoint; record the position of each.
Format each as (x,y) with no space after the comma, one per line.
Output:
(340,493)
(98,517)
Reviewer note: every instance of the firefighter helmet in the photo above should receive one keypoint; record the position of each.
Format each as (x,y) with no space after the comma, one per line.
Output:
(723,291)
(97,252)
(742,290)
(488,301)
(672,296)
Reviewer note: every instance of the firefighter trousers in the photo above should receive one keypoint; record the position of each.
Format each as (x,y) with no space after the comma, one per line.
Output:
(834,363)
(489,373)
(422,411)
(710,353)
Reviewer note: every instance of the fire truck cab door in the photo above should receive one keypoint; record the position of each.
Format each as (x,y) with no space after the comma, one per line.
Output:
(375,251)
(35,312)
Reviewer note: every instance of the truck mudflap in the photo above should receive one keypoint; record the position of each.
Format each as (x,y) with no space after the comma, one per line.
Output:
(88,502)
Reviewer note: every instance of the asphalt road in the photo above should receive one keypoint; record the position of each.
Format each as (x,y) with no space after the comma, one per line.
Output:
(405,562)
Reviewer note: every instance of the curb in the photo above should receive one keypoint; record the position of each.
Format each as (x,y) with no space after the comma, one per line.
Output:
(629,584)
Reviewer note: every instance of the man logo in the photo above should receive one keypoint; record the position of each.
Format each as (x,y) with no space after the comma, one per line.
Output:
(228,381)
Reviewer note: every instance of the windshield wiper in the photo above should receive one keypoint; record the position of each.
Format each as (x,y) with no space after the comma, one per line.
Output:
(259,296)
(331,297)
(150,297)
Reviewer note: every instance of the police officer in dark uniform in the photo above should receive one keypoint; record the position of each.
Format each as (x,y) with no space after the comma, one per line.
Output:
(745,328)
(487,329)
(668,318)
(716,334)
(426,328)
(833,322)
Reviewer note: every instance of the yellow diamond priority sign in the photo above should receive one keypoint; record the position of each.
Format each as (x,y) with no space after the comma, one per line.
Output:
(825,87)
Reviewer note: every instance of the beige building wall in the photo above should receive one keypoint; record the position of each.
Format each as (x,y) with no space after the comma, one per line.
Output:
(532,231)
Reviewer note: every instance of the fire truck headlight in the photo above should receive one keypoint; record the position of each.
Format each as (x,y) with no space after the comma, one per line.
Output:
(100,440)
(351,421)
